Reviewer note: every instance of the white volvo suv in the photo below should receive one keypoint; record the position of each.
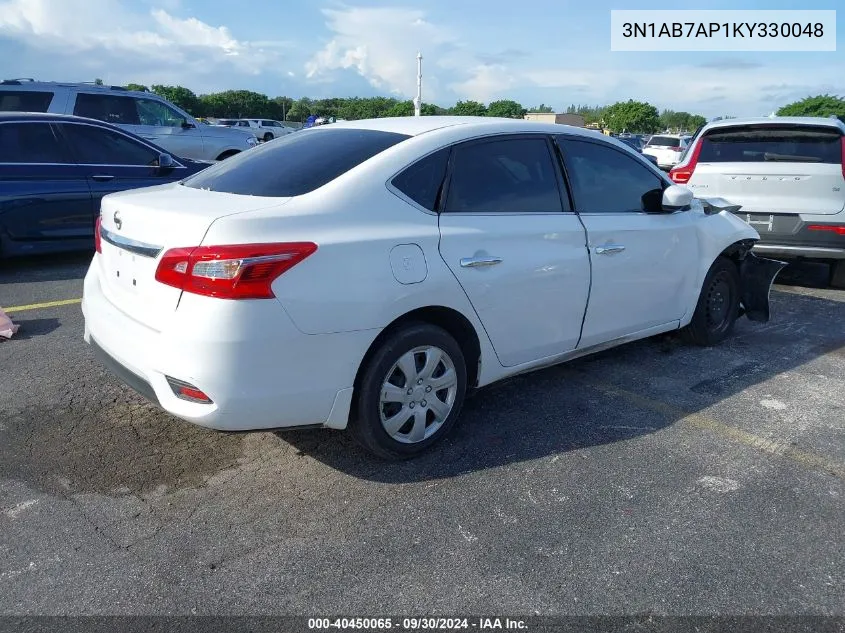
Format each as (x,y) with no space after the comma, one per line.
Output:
(395,263)
(142,113)
(787,176)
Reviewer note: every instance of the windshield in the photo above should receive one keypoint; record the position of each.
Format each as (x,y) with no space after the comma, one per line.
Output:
(294,164)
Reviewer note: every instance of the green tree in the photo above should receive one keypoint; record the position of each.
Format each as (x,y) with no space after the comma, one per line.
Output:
(468,108)
(300,110)
(632,116)
(591,114)
(234,104)
(179,96)
(820,105)
(98,82)
(138,87)
(541,108)
(506,108)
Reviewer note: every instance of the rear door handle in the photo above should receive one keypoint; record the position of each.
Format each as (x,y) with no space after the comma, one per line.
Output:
(102,177)
(477,262)
(609,249)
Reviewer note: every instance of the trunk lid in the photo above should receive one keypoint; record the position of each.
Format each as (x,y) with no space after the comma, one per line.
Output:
(139,226)
(773,169)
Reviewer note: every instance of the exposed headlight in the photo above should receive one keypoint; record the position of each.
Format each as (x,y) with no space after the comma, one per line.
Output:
(252,141)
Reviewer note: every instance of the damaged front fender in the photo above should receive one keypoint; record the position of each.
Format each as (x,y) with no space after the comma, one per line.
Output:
(757,274)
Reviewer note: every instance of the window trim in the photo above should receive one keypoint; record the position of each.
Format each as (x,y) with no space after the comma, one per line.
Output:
(661,176)
(157,150)
(61,141)
(490,138)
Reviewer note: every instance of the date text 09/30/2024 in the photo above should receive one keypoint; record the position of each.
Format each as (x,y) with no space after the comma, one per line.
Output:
(418,624)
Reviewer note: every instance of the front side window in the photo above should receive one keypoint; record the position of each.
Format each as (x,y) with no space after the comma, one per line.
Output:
(791,144)
(156,113)
(94,145)
(422,181)
(106,107)
(25,101)
(605,180)
(30,143)
(294,164)
(515,175)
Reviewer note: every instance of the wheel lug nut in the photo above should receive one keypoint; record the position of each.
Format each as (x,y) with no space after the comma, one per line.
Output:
(410,391)
(419,382)
(423,403)
(428,389)
(412,405)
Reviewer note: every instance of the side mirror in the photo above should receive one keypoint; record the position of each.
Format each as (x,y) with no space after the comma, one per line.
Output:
(165,161)
(676,197)
(187,125)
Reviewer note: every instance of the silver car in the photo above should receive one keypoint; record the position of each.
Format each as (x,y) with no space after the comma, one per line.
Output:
(142,113)
(788,176)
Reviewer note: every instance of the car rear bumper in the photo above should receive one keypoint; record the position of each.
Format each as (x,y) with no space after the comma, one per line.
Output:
(791,236)
(259,371)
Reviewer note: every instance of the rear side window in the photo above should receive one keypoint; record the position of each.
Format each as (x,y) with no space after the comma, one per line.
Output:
(24,101)
(514,175)
(30,143)
(108,108)
(793,144)
(295,164)
(665,141)
(421,181)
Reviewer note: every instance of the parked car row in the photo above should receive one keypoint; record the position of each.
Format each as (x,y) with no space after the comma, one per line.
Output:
(264,129)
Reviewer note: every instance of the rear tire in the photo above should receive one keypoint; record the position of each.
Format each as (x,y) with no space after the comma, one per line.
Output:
(228,154)
(409,393)
(718,305)
(268,137)
(837,275)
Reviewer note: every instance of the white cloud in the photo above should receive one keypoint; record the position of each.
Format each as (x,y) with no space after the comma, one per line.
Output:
(381,45)
(141,41)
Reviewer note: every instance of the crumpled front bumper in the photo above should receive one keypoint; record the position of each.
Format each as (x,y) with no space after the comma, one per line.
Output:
(757,274)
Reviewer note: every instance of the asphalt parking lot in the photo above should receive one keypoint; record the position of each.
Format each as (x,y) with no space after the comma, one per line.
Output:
(654,478)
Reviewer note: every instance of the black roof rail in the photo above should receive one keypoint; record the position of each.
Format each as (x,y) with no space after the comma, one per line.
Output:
(17,81)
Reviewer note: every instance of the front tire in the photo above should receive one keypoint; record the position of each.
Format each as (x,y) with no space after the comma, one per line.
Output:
(718,305)
(410,392)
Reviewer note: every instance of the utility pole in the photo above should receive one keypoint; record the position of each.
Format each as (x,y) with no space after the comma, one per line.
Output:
(418,99)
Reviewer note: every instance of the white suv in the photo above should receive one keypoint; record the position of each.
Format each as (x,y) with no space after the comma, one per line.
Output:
(788,175)
(143,113)
(667,149)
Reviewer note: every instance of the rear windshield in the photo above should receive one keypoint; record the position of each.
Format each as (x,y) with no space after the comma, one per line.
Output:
(793,144)
(294,164)
(24,101)
(665,141)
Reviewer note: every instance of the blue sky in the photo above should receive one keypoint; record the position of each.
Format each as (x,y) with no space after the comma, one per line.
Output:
(541,51)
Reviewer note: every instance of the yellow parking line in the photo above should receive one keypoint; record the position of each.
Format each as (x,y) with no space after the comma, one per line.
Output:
(698,421)
(47,304)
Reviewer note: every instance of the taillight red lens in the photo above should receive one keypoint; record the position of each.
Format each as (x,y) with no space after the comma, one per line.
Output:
(98,241)
(239,271)
(843,156)
(682,173)
(838,229)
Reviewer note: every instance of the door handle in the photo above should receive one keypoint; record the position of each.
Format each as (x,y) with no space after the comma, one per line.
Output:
(609,249)
(477,262)
(102,177)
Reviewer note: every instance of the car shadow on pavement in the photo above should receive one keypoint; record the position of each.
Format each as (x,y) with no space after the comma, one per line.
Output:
(60,267)
(597,400)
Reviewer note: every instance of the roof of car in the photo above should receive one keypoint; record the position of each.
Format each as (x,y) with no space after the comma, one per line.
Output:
(778,120)
(413,126)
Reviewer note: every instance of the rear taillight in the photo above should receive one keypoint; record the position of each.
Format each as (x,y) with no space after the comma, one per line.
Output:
(682,173)
(98,241)
(239,271)
(833,228)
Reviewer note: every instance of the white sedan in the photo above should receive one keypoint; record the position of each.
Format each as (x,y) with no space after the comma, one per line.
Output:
(366,274)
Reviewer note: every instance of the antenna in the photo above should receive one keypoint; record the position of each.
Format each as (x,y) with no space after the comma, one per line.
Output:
(418,98)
